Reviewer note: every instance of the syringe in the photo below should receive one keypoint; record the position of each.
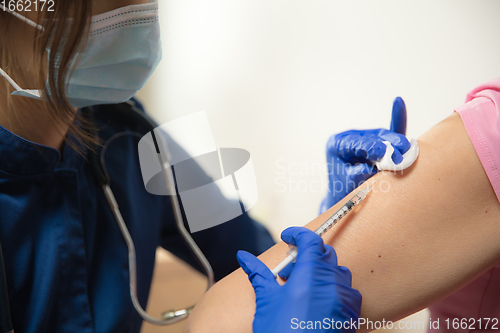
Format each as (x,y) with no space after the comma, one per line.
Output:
(325,226)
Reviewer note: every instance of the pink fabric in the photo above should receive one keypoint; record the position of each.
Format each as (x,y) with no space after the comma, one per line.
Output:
(481,117)
(481,298)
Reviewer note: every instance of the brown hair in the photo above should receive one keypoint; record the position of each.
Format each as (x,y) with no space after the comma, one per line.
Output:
(65,38)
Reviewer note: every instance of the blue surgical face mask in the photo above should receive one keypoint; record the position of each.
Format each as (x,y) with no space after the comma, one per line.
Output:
(122,51)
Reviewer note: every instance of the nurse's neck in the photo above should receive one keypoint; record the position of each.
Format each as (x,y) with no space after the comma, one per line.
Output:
(24,117)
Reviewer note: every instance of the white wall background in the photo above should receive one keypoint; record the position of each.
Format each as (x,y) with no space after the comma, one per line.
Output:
(279,77)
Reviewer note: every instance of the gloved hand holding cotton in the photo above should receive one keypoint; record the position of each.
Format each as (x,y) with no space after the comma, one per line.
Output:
(356,155)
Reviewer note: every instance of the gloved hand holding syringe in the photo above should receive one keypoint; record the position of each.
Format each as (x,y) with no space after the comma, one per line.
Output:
(325,226)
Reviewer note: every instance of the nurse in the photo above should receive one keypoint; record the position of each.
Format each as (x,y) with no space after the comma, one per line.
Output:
(66,262)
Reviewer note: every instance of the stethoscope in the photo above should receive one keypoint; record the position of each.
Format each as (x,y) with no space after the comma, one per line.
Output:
(133,115)
(128,113)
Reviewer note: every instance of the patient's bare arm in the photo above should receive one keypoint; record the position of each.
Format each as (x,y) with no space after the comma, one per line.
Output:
(415,239)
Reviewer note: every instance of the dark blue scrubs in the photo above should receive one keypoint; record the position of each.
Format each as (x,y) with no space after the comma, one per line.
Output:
(66,261)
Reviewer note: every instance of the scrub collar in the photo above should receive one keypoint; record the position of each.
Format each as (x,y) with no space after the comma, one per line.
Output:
(19,156)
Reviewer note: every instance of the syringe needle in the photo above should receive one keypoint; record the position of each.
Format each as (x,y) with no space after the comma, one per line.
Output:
(375,182)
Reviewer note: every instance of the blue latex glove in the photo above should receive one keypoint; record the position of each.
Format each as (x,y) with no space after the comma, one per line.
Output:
(350,155)
(316,289)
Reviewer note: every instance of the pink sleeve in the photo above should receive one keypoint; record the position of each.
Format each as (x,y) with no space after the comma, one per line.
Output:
(481,117)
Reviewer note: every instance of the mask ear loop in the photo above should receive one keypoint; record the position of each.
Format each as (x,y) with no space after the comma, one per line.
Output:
(22,18)
(31,93)
(12,82)
(36,94)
